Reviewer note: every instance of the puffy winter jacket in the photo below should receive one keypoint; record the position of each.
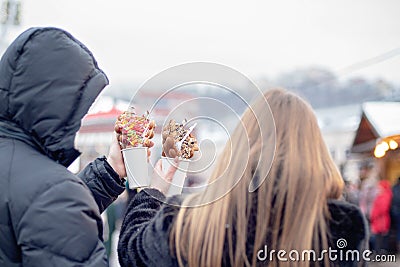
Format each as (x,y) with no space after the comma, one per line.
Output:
(48,216)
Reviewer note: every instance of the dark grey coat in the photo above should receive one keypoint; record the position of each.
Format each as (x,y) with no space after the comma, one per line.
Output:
(48,216)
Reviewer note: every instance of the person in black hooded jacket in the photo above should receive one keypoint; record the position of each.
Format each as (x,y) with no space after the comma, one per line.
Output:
(48,216)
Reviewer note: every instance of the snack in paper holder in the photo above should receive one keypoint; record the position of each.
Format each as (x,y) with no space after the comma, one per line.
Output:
(134,130)
(172,135)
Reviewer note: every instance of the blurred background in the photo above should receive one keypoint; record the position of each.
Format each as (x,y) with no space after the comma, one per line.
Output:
(341,56)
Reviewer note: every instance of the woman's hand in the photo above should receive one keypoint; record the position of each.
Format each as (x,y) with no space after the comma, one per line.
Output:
(160,180)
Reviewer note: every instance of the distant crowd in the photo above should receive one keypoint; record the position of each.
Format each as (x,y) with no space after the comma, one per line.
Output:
(380,203)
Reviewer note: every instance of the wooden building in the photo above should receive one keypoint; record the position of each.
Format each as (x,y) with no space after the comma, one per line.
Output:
(378,136)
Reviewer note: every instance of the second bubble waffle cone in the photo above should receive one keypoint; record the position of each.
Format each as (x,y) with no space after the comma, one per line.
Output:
(172,134)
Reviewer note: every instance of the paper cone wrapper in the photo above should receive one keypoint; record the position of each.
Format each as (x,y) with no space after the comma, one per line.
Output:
(135,159)
(180,175)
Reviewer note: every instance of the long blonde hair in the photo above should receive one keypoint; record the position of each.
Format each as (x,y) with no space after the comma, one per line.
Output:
(290,206)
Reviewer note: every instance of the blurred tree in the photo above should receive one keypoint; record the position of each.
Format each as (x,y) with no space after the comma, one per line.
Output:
(322,89)
(11,12)
(317,85)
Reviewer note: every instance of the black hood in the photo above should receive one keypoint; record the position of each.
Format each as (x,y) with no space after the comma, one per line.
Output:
(48,81)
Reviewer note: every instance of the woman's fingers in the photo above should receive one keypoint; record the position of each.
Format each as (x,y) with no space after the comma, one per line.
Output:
(161,180)
(171,171)
(158,167)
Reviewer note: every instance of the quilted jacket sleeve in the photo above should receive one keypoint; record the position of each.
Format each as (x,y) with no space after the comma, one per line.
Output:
(144,237)
(103,182)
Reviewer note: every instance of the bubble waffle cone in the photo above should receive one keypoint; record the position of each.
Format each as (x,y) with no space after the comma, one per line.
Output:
(134,130)
(172,134)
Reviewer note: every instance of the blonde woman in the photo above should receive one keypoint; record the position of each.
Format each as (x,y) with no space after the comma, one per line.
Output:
(295,209)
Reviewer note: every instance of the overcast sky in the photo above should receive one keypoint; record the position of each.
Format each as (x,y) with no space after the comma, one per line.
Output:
(133,40)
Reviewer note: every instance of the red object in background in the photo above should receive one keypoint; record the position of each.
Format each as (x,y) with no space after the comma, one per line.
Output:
(112,113)
(380,212)
(100,121)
